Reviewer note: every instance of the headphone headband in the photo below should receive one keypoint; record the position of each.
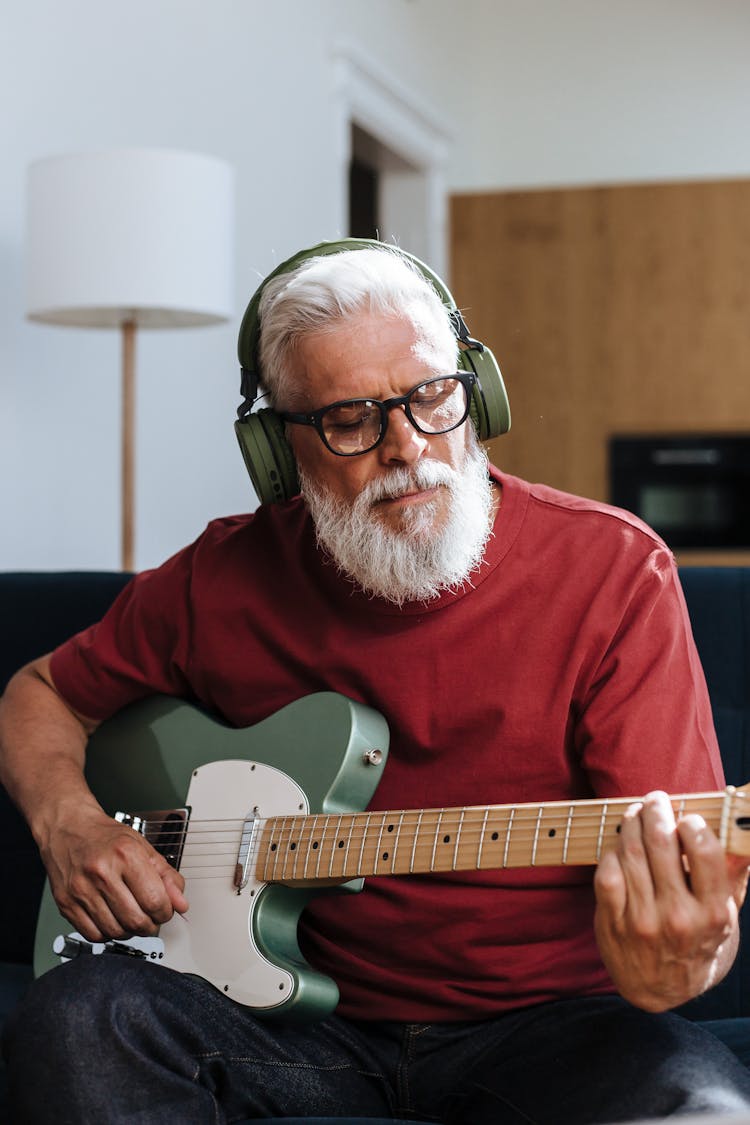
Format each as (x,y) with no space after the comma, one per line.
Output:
(248,341)
(267,454)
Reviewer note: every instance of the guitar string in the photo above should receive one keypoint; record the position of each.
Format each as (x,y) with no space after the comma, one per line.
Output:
(581,811)
(521,836)
(391,864)
(368,865)
(356,826)
(305,850)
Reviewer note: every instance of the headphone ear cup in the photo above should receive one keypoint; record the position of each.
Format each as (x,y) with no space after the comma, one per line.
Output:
(268,456)
(489,408)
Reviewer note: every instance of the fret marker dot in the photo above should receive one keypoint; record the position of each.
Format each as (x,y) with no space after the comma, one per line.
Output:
(385,855)
(390,827)
(552,832)
(315,844)
(495,835)
(341,843)
(292,846)
(273,847)
(446,839)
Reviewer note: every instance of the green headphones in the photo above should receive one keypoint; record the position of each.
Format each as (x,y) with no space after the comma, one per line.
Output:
(267,454)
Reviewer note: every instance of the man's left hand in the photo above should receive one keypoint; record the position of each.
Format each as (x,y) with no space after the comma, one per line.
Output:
(668,900)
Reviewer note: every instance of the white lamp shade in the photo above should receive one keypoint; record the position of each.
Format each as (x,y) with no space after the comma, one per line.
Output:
(133,234)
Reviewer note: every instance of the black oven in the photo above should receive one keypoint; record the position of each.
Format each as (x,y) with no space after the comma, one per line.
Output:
(693,490)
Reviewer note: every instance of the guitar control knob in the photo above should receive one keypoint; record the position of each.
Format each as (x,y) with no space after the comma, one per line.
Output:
(372,757)
(70,947)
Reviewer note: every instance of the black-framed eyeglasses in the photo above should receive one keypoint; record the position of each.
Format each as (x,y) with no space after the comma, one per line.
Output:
(357,425)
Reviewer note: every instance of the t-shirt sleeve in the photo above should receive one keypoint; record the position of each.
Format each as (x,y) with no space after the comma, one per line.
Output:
(140,647)
(647,722)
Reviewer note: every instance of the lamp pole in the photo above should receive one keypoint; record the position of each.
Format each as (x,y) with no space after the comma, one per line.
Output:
(127,554)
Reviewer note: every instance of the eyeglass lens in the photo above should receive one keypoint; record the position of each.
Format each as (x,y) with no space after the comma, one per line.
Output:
(433,407)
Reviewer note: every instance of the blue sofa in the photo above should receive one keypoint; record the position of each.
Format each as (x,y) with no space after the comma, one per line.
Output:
(38,610)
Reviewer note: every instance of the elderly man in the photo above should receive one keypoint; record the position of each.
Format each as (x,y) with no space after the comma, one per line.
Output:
(524,645)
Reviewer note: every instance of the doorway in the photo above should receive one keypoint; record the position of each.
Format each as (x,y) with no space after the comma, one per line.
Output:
(393,155)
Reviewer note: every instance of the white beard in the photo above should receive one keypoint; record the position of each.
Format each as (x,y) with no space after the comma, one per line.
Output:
(416,562)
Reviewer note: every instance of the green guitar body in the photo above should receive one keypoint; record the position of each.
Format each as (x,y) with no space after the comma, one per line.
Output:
(148,756)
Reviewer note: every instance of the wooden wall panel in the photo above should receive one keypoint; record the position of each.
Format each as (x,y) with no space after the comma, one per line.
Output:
(614,309)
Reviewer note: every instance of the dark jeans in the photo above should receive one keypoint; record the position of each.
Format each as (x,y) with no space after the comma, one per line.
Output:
(107,1039)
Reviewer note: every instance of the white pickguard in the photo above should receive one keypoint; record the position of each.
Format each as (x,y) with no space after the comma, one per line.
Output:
(215,938)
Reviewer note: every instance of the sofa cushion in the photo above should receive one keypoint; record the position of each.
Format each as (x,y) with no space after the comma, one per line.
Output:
(718,600)
(38,611)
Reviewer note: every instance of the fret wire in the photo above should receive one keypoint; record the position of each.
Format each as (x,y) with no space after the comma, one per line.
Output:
(290,854)
(601,830)
(364,840)
(458,837)
(507,837)
(277,853)
(307,835)
(396,843)
(273,853)
(346,848)
(724,822)
(295,834)
(289,829)
(481,838)
(417,827)
(435,840)
(320,849)
(536,835)
(297,849)
(310,836)
(334,846)
(568,826)
(309,849)
(380,843)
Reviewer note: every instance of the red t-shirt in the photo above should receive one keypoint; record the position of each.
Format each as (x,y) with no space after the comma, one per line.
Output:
(565,670)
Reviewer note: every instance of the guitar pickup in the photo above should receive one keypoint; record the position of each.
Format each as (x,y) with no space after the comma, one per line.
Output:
(242,867)
(165,830)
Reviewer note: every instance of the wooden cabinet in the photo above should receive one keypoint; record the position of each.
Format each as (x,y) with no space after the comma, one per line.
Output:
(611,310)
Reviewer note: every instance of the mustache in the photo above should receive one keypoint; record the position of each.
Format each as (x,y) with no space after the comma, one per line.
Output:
(399,481)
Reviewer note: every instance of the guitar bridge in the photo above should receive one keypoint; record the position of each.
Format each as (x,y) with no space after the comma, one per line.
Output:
(165,830)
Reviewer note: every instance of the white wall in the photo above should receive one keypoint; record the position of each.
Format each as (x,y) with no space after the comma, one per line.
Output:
(251,82)
(531,91)
(604,91)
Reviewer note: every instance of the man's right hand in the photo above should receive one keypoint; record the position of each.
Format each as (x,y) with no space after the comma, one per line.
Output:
(107,880)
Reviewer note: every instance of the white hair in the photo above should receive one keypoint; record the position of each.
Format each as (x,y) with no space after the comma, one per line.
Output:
(324,290)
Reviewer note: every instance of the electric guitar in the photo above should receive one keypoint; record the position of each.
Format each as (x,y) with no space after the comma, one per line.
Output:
(257,820)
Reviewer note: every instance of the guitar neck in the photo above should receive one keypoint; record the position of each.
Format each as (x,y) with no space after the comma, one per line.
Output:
(309,849)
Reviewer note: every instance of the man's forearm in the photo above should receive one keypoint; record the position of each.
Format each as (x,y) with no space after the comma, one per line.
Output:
(42,748)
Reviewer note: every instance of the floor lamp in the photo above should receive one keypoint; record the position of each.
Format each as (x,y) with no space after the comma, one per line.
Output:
(129,239)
